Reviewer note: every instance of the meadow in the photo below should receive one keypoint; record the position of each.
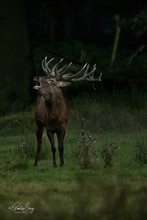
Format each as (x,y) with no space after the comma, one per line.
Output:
(105,172)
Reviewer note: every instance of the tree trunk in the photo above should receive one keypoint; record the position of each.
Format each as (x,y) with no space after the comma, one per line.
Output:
(14,49)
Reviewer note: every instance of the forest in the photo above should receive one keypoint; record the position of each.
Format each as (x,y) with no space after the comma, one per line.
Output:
(111,34)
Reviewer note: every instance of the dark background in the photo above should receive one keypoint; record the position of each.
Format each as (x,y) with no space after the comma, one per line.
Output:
(78,30)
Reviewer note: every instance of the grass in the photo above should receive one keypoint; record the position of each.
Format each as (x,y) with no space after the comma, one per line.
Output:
(71,192)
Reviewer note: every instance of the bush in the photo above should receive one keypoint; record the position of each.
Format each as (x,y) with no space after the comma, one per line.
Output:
(141,150)
(107,154)
(84,149)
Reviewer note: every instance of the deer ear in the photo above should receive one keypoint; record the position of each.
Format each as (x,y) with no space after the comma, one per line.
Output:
(62,84)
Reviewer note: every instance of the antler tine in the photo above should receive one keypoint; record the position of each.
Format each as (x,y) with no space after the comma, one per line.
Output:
(43,67)
(93,69)
(61,71)
(64,68)
(70,76)
(45,64)
(86,71)
(92,79)
(54,69)
(81,70)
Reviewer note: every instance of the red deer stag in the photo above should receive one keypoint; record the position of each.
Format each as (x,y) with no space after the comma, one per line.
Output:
(51,111)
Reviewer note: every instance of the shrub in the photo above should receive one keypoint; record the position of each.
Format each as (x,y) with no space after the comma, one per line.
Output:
(20,156)
(141,150)
(84,149)
(107,154)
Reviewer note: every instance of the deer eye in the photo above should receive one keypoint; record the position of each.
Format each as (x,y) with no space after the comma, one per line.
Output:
(51,80)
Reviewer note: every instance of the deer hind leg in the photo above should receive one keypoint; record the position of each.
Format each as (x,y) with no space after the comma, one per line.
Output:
(60,136)
(39,133)
(51,139)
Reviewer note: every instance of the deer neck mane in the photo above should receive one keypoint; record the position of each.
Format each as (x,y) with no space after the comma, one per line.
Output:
(54,98)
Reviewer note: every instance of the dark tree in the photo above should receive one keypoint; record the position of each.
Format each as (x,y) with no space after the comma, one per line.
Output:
(14,47)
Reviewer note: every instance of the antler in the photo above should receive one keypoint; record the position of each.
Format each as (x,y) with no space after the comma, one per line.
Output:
(59,73)
(55,72)
(88,76)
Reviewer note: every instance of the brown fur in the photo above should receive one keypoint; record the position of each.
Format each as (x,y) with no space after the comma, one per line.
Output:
(51,113)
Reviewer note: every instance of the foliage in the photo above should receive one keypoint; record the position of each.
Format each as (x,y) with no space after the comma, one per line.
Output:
(107,154)
(84,150)
(141,149)
(22,122)
(137,23)
(20,156)
(121,111)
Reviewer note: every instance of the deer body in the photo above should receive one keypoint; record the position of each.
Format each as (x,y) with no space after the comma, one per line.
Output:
(51,111)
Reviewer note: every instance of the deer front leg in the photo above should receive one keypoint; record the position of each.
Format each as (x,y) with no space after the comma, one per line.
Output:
(39,133)
(51,139)
(60,136)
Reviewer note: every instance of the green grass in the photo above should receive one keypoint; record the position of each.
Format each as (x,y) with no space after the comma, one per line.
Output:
(116,192)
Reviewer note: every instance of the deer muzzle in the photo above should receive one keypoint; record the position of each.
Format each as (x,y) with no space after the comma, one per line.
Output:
(38,84)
